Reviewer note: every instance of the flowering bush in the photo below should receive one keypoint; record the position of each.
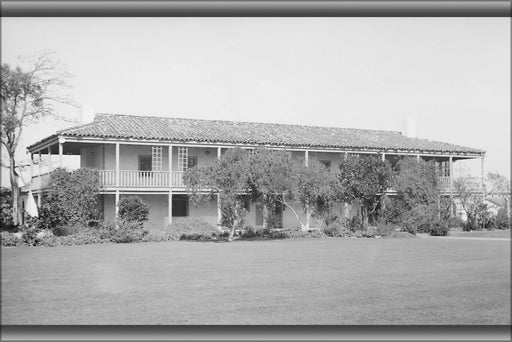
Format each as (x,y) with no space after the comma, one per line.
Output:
(191,228)
(10,239)
(133,209)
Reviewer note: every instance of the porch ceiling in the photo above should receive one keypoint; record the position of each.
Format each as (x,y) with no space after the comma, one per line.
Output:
(69,148)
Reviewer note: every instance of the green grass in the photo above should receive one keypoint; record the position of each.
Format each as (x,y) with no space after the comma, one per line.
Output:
(328,281)
(491,234)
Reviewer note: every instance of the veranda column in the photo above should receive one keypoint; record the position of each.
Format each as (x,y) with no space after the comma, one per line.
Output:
(49,159)
(31,168)
(451,185)
(117,180)
(418,157)
(40,171)
(482,178)
(219,209)
(483,185)
(383,156)
(40,165)
(219,212)
(170,207)
(61,150)
(170,166)
(306,158)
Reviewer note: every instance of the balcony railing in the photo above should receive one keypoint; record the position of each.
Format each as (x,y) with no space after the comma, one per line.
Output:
(142,179)
(40,181)
(174,179)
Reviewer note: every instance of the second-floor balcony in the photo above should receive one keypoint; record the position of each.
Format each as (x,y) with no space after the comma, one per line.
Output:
(127,179)
(133,179)
(142,179)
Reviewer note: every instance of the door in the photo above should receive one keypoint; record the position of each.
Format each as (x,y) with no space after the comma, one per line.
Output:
(179,205)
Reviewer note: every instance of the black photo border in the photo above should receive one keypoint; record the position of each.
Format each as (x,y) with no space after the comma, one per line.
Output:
(234,8)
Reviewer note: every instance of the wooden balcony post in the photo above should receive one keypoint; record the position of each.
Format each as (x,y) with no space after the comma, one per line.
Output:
(49,159)
(306,158)
(40,169)
(383,157)
(170,178)
(31,168)
(219,213)
(61,151)
(418,157)
(482,178)
(117,203)
(219,152)
(451,185)
(170,205)
(117,171)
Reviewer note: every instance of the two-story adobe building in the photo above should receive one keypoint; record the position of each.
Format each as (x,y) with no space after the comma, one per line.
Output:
(147,156)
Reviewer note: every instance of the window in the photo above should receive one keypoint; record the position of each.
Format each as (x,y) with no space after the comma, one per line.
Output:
(182,158)
(145,163)
(156,158)
(327,163)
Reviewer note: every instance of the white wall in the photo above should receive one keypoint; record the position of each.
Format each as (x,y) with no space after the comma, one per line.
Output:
(204,210)
(103,157)
(158,212)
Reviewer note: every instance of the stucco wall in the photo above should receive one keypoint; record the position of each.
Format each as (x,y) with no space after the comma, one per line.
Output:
(103,157)
(204,210)
(335,158)
(92,157)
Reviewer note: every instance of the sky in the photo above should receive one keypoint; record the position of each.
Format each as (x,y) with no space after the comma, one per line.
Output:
(451,75)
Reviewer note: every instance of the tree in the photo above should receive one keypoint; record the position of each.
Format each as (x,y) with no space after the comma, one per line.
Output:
(228,178)
(498,185)
(417,204)
(6,209)
(72,198)
(313,186)
(276,178)
(365,179)
(471,202)
(27,95)
(270,179)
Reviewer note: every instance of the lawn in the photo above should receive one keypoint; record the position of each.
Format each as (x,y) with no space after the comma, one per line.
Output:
(487,234)
(324,281)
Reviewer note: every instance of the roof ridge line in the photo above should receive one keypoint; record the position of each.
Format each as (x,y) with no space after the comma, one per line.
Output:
(250,122)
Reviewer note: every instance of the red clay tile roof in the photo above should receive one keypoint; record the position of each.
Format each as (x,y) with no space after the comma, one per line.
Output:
(234,132)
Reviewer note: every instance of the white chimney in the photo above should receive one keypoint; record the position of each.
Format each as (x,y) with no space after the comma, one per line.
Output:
(86,114)
(409,128)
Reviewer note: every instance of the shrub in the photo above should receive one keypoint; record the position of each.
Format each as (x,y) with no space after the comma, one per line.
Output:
(120,232)
(191,228)
(156,236)
(252,233)
(354,224)
(29,236)
(455,222)
(338,228)
(133,209)
(501,220)
(72,198)
(6,221)
(10,240)
(439,229)
(296,234)
(385,229)
(285,234)
(69,229)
